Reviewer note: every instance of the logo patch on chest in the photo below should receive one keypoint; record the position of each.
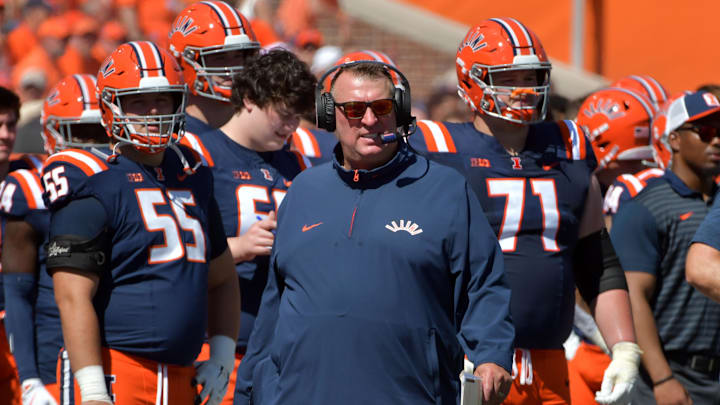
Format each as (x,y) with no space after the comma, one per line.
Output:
(517,163)
(266,174)
(409,227)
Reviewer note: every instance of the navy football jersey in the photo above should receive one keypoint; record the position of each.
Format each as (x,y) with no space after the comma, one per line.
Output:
(534,202)
(18,161)
(22,199)
(248,185)
(67,169)
(626,187)
(153,303)
(315,144)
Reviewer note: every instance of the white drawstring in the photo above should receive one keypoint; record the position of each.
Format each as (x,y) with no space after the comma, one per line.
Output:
(526,371)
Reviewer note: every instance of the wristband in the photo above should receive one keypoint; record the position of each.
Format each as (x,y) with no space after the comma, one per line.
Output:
(663,380)
(91,380)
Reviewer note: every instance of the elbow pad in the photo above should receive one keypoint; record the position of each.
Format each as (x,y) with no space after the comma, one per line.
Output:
(77,252)
(596,266)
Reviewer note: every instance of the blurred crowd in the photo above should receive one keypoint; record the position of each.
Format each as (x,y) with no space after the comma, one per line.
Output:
(42,41)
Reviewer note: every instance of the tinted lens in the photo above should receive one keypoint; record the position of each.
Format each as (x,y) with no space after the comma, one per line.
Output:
(706,133)
(356,109)
(382,107)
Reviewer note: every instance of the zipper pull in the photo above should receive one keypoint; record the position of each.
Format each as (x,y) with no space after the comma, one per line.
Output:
(356,177)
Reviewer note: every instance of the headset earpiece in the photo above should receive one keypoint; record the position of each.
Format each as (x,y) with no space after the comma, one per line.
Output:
(325,105)
(325,111)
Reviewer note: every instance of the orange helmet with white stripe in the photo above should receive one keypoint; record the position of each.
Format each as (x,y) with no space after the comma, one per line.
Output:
(205,29)
(501,45)
(71,104)
(645,85)
(618,121)
(141,67)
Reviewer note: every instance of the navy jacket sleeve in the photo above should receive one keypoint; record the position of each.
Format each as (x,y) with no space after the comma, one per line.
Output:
(634,235)
(709,231)
(481,293)
(258,348)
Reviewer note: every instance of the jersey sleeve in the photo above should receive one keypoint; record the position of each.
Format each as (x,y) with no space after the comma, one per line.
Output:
(577,143)
(84,217)
(432,137)
(634,236)
(195,143)
(709,231)
(21,194)
(65,172)
(624,188)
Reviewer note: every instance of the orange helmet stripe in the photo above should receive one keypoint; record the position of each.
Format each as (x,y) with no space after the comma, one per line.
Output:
(148,55)
(232,23)
(519,35)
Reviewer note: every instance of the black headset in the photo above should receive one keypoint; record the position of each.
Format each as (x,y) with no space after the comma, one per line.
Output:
(325,105)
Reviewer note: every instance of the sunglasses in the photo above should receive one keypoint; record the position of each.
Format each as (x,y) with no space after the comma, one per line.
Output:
(706,132)
(355,110)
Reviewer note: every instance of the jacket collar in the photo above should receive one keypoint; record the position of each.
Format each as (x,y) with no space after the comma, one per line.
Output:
(378,176)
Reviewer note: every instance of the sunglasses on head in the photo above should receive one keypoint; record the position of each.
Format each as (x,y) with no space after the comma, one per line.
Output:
(355,110)
(706,132)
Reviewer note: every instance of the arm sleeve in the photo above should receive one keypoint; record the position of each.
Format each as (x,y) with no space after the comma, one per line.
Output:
(709,231)
(20,292)
(481,293)
(258,348)
(634,235)
(78,237)
(218,241)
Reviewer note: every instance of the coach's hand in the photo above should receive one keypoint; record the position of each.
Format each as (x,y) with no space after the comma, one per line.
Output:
(496,383)
(34,392)
(620,375)
(213,374)
(256,241)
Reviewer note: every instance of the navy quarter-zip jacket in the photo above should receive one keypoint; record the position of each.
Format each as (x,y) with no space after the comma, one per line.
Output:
(381,281)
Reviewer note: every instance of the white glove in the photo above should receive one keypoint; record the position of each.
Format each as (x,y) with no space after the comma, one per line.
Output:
(214,373)
(34,392)
(621,374)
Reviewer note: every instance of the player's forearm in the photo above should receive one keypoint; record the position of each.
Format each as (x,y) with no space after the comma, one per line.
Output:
(648,339)
(81,330)
(702,269)
(614,317)
(223,298)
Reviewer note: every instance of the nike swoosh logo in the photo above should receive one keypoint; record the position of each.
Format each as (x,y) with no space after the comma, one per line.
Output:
(686,215)
(182,177)
(550,166)
(306,228)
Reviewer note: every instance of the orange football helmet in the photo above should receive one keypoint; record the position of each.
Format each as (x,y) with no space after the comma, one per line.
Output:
(501,45)
(207,28)
(70,103)
(141,67)
(618,121)
(645,85)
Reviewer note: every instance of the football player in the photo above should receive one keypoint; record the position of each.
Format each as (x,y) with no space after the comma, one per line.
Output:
(70,118)
(211,41)
(9,115)
(535,182)
(618,123)
(140,264)
(257,166)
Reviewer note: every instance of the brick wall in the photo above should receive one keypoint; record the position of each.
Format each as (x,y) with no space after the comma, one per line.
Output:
(423,66)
